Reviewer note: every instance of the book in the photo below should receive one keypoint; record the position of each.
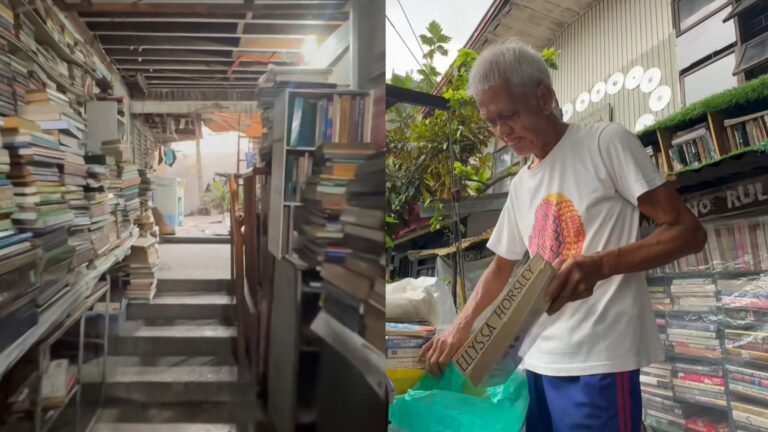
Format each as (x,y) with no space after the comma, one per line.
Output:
(492,353)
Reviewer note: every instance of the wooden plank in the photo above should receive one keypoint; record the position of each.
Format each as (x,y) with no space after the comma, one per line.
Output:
(284,348)
(716,122)
(665,143)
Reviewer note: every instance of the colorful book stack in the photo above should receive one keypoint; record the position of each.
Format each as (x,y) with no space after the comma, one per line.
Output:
(692,147)
(38,191)
(403,342)
(659,407)
(325,198)
(24,31)
(56,113)
(7,20)
(103,228)
(700,383)
(124,184)
(747,131)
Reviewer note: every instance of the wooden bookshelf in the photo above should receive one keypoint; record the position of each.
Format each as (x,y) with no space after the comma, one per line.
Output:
(283,202)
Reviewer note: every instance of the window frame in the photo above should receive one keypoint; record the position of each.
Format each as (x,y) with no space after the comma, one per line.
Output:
(741,70)
(676,16)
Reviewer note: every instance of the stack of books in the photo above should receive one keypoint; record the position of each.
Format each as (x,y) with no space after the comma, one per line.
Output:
(699,423)
(42,210)
(404,342)
(659,407)
(325,198)
(124,184)
(692,147)
(7,20)
(694,295)
(56,113)
(661,299)
(700,383)
(143,264)
(747,131)
(25,31)
(20,81)
(7,100)
(145,220)
(19,285)
(103,228)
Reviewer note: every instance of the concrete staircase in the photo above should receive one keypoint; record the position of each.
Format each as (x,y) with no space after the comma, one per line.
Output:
(172,367)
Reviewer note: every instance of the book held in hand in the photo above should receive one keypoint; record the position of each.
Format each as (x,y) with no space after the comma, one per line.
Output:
(493,352)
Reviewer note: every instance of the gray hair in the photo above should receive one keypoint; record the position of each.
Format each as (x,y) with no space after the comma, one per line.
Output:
(511,62)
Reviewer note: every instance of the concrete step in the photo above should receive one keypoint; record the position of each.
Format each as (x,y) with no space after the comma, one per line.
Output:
(184,306)
(201,338)
(178,383)
(193,285)
(236,412)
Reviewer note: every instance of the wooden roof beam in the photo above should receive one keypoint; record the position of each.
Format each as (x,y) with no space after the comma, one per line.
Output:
(293,7)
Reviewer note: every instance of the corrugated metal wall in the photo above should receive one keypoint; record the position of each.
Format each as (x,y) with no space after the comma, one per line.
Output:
(614,36)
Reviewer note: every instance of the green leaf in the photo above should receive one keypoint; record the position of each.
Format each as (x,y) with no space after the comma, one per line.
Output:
(435,29)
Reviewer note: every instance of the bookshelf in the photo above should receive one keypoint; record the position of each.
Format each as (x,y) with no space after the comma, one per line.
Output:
(301,119)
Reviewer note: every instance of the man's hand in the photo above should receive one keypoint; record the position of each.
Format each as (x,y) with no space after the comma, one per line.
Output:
(441,349)
(575,280)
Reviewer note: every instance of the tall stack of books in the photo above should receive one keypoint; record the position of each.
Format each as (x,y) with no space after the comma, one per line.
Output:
(325,198)
(7,100)
(143,264)
(124,184)
(359,273)
(693,330)
(20,83)
(43,212)
(145,220)
(659,408)
(57,113)
(103,228)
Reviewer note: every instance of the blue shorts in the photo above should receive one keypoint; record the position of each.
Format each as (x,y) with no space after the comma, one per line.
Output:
(590,403)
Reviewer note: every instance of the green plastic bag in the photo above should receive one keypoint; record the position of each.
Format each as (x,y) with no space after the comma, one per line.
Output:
(451,403)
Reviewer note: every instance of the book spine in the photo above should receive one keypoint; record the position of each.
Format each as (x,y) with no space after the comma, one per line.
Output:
(702,379)
(749,380)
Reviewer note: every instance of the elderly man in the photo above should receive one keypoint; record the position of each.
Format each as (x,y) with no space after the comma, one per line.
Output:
(577,203)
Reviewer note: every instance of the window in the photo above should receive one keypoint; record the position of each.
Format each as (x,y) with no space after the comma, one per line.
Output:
(754,53)
(691,12)
(709,79)
(752,58)
(503,158)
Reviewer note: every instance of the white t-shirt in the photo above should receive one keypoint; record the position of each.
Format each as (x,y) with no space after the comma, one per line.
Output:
(579,200)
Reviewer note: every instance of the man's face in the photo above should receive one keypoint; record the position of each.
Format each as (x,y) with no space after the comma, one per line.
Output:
(516,117)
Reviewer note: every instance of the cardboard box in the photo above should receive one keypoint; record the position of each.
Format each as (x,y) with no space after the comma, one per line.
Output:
(492,354)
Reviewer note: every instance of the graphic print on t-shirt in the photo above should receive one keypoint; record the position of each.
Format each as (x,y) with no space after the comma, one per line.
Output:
(558,231)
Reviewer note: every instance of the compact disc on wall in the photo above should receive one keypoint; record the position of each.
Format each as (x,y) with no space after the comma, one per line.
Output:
(615,83)
(660,98)
(582,102)
(567,111)
(634,76)
(598,92)
(651,80)
(644,121)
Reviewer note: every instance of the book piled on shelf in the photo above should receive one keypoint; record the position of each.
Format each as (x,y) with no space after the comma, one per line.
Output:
(659,407)
(750,417)
(20,81)
(403,343)
(24,31)
(7,20)
(747,131)
(694,295)
(143,264)
(661,299)
(7,99)
(103,228)
(700,383)
(325,199)
(706,424)
(58,384)
(692,147)
(57,114)
(42,209)
(19,285)
(124,184)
